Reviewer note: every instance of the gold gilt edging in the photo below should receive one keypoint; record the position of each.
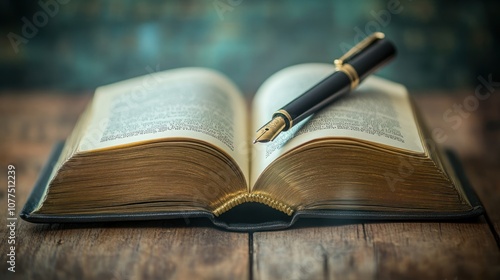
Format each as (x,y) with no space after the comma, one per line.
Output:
(253,197)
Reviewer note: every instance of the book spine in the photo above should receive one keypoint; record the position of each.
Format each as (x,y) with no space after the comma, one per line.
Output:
(253,197)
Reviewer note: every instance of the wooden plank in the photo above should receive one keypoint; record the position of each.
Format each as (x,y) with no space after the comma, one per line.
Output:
(142,250)
(378,251)
(464,250)
(334,252)
(435,250)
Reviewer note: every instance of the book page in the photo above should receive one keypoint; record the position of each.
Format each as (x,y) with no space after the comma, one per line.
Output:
(193,103)
(378,111)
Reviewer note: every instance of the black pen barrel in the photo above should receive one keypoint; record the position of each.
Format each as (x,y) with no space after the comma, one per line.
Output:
(321,95)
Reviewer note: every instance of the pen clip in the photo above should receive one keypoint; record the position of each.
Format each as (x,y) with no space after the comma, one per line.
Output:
(358,48)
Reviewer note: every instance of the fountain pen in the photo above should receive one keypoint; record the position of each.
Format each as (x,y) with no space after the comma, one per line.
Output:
(350,69)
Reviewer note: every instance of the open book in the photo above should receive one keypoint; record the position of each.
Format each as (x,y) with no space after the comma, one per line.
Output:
(179,143)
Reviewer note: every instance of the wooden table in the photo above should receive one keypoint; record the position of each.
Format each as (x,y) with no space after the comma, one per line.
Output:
(30,123)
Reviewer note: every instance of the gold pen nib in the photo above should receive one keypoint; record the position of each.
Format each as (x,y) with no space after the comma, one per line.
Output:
(270,130)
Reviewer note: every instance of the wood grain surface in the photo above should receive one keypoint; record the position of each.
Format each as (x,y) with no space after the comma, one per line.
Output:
(30,124)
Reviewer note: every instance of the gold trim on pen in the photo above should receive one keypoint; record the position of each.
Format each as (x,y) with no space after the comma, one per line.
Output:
(351,73)
(358,48)
(346,68)
(287,115)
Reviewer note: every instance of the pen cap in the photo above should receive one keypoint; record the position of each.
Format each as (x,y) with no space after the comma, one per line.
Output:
(372,57)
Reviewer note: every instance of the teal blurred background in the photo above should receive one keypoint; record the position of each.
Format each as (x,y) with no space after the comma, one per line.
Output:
(79,45)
